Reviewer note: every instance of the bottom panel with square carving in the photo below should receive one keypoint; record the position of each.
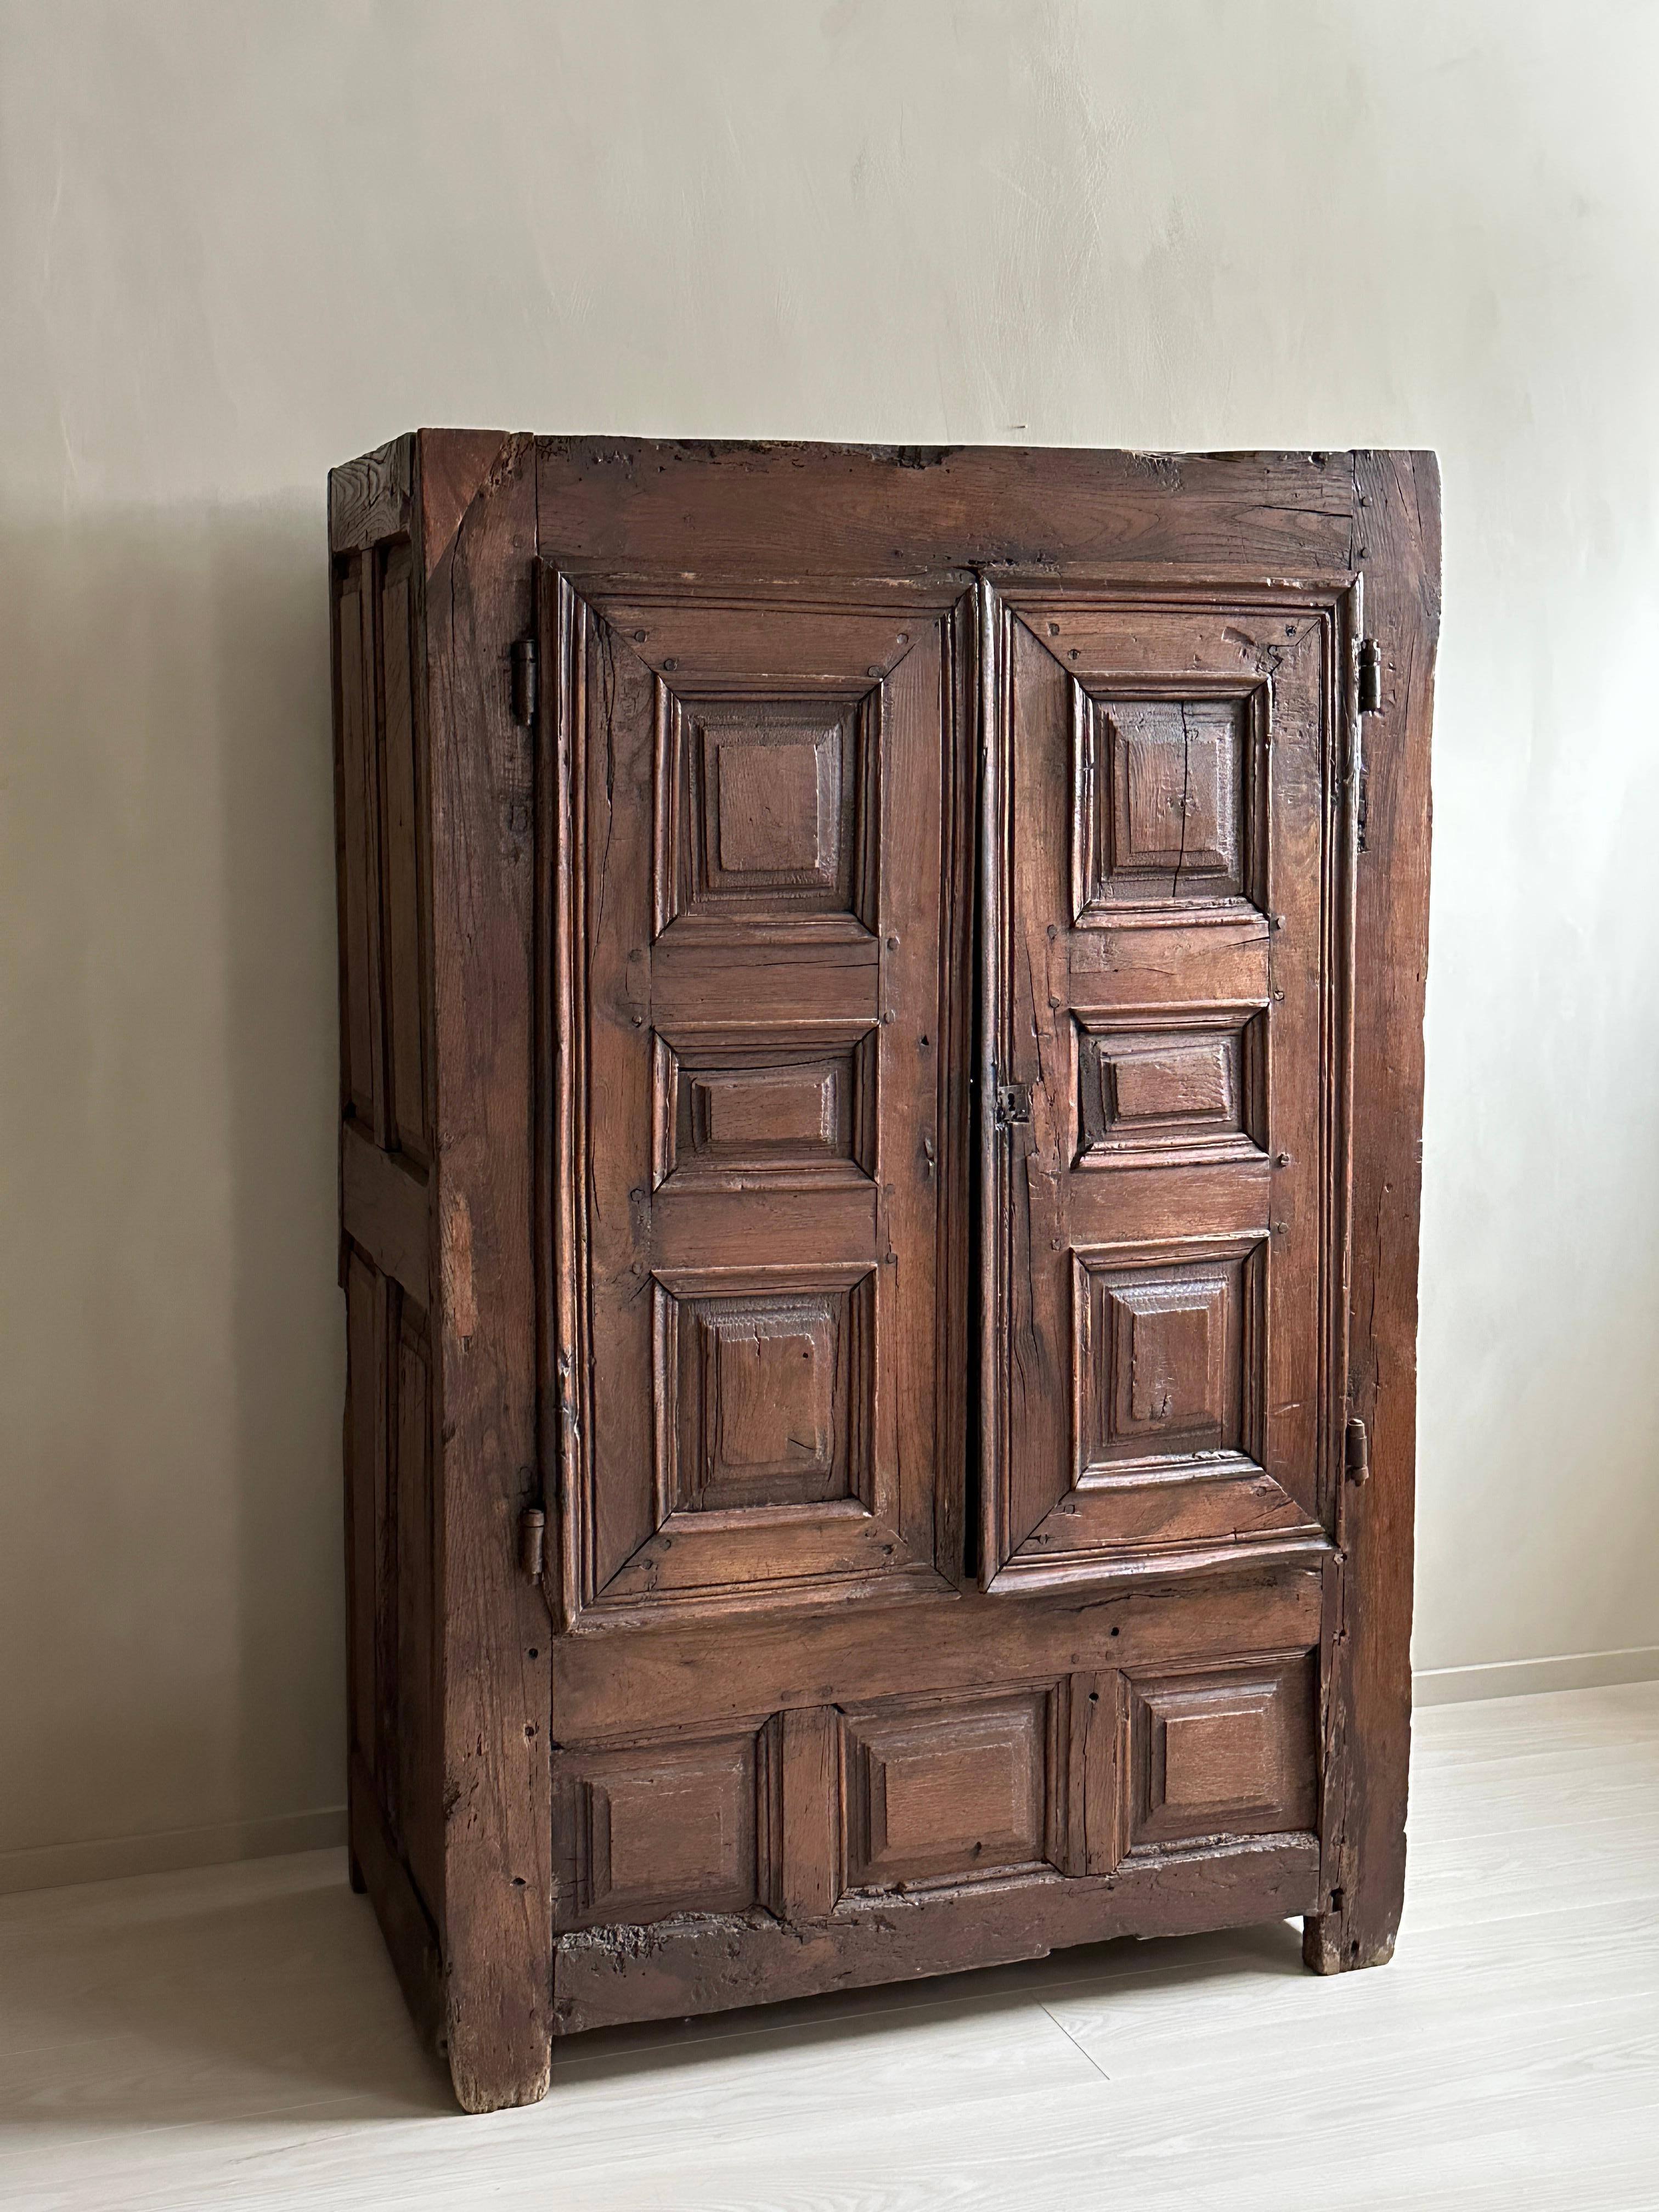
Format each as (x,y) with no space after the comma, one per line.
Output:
(952,1788)
(647,1830)
(817,1812)
(1222,1753)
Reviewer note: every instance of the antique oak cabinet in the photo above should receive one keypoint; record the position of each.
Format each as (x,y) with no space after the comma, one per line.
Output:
(881,1034)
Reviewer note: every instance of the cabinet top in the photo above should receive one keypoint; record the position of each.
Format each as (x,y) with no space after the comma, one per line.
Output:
(714,506)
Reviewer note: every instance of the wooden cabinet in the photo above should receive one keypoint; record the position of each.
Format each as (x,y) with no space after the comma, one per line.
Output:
(881,1040)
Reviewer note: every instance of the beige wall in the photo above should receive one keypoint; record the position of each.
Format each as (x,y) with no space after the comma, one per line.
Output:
(238,243)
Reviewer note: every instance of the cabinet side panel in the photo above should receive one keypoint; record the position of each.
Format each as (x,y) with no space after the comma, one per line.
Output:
(400,814)
(419,1731)
(395,1779)
(357,828)
(365,1432)
(495,1625)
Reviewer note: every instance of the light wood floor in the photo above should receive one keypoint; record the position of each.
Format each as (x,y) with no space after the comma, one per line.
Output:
(234,2038)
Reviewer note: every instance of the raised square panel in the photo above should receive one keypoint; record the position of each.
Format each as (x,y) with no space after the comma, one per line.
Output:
(1168,1360)
(739,1111)
(1189,1081)
(766,812)
(730,1112)
(1171,812)
(1175,788)
(1183,1090)
(777,804)
(767,1397)
(1170,1371)
(1224,1753)
(949,1790)
(652,1829)
(771,1375)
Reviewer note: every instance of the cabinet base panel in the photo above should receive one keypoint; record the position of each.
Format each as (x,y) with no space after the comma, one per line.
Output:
(607,1977)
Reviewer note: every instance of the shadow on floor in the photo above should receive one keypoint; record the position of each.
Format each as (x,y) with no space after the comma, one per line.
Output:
(231,1992)
(618,2052)
(240,1992)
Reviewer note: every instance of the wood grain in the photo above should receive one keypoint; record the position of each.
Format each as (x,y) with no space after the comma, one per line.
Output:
(618,504)
(1368,1698)
(497,1908)
(605,1980)
(675,1148)
(386,1211)
(371,498)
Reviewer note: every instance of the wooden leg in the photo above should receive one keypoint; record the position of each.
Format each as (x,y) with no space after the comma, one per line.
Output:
(354,1874)
(1331,1946)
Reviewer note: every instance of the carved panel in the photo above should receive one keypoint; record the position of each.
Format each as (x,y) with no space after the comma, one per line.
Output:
(402,868)
(671,1827)
(361,1038)
(731,1112)
(767,797)
(1188,1089)
(1222,1753)
(767,1396)
(1169,1347)
(1169,806)
(752,1160)
(952,1788)
(1173,1202)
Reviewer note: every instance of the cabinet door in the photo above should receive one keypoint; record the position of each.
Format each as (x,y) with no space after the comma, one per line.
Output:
(749,914)
(1165,1141)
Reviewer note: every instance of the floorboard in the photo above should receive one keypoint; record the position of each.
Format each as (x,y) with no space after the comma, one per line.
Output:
(233,2037)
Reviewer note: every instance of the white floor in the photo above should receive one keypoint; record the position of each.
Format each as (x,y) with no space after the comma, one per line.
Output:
(234,2038)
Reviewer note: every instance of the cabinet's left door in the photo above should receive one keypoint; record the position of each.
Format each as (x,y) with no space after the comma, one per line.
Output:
(753,1008)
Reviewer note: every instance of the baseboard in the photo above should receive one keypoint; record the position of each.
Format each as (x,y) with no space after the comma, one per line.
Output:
(1525,1677)
(111,1858)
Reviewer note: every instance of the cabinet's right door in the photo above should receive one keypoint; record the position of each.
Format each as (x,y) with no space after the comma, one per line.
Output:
(1168,831)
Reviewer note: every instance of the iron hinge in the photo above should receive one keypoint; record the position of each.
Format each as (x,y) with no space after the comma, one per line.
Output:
(1371,677)
(1013,1104)
(1357,1454)
(532,1541)
(526,681)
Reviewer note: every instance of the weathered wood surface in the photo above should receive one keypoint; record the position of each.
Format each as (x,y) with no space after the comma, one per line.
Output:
(385,1212)
(674,1676)
(667,1165)
(1368,1713)
(612,1976)
(494,1626)
(371,498)
(613,504)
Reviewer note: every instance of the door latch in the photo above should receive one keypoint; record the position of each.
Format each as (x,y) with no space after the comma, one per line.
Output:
(1013,1104)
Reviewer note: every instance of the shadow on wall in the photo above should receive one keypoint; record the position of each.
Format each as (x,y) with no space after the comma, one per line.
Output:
(170,1591)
